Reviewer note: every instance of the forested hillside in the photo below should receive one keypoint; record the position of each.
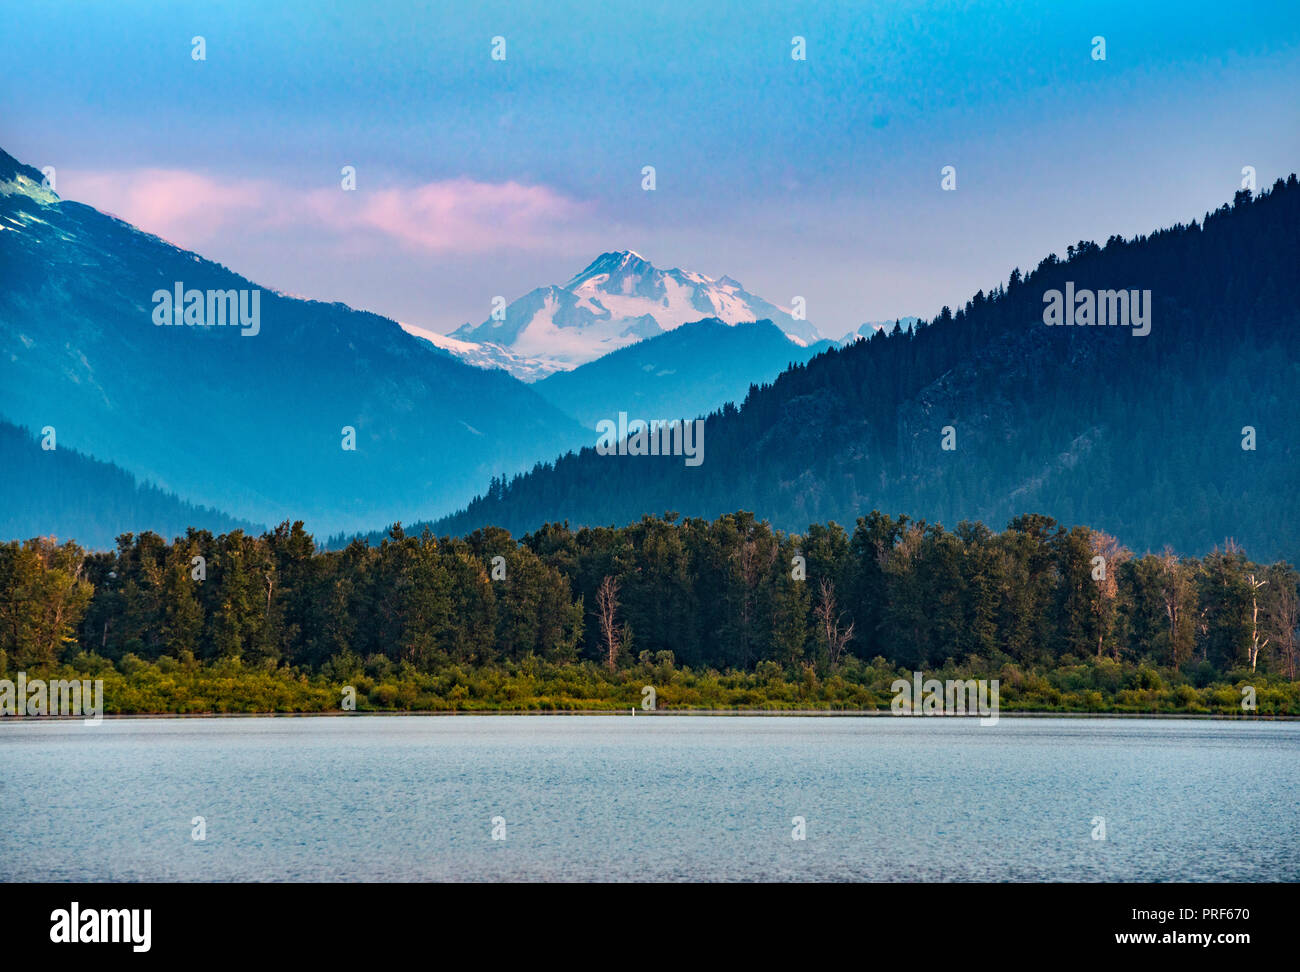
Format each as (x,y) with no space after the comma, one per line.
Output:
(61,493)
(1140,436)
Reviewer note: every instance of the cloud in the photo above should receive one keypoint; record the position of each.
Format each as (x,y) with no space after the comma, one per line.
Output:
(174,203)
(449,216)
(456,215)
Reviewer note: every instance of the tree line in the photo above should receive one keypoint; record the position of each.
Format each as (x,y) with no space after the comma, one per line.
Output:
(729,594)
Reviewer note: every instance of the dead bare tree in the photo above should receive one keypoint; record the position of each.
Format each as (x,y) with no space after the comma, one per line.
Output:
(606,614)
(1255,644)
(828,619)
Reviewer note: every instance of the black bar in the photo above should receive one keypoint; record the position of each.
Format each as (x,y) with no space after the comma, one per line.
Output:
(634,923)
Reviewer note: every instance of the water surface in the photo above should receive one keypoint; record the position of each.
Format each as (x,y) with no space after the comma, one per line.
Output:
(410,798)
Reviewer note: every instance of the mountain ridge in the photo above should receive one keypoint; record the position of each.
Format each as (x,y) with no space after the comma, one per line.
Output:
(249,424)
(689,371)
(1089,425)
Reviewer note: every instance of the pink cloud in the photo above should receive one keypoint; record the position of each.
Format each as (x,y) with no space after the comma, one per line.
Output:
(455,215)
(173,203)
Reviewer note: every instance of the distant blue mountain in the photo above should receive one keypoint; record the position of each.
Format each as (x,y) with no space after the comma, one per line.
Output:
(61,493)
(690,371)
(250,424)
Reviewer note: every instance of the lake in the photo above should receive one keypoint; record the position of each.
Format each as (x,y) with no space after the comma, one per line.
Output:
(664,798)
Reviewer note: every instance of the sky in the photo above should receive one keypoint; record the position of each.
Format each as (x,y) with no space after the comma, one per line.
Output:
(478,177)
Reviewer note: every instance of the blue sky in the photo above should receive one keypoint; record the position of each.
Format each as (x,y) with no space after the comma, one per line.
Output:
(818,178)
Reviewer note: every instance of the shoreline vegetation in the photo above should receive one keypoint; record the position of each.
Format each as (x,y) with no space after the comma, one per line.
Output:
(723,615)
(186,687)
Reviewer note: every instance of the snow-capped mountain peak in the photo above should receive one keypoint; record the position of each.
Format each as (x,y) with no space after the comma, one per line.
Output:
(616,300)
(616,263)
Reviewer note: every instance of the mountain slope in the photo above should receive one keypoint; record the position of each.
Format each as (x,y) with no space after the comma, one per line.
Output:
(692,370)
(73,497)
(619,299)
(485,355)
(248,423)
(1139,436)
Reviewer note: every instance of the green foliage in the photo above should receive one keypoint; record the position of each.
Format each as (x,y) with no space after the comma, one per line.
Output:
(534,685)
(713,614)
(43,594)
